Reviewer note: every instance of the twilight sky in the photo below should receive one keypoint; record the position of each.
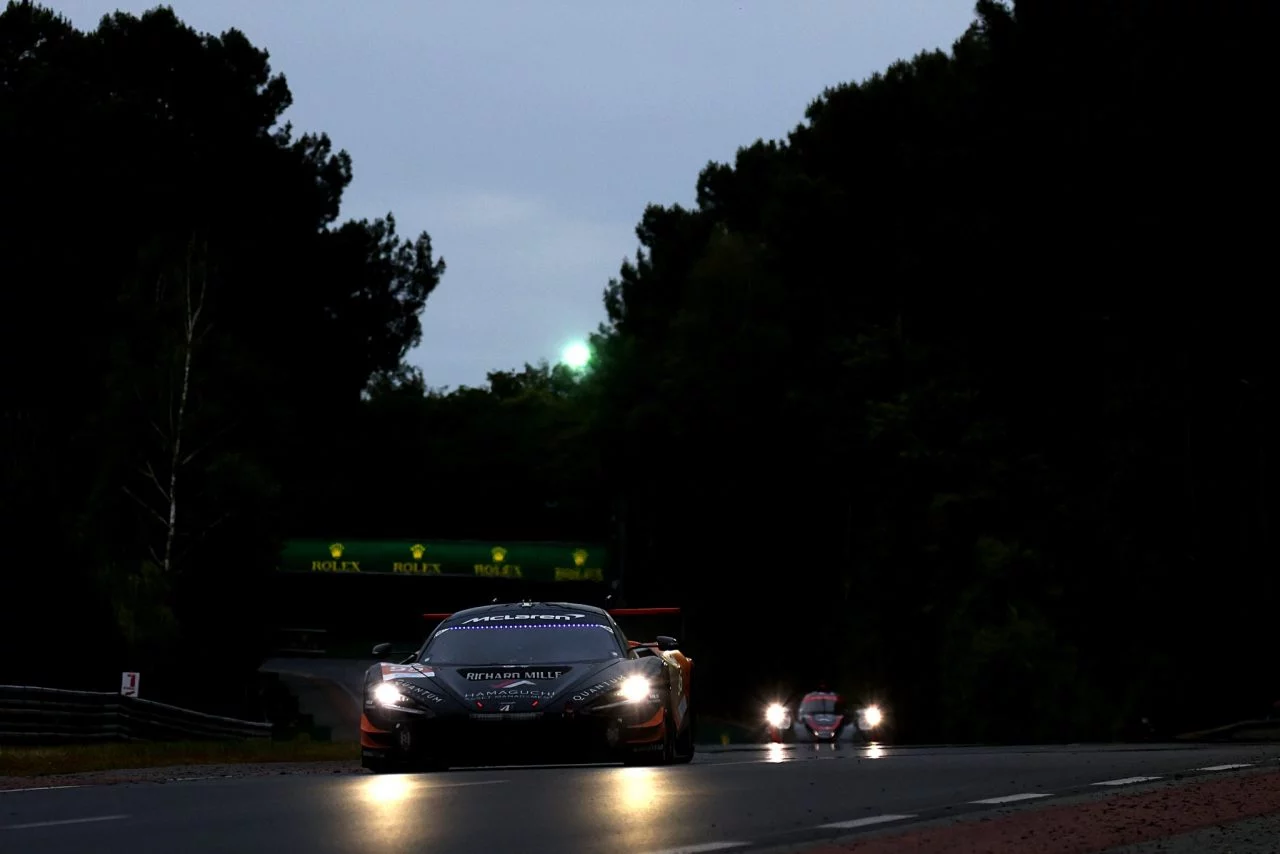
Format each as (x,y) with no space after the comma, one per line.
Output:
(527,137)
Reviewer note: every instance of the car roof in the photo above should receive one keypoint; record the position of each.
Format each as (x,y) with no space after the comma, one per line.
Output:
(526,607)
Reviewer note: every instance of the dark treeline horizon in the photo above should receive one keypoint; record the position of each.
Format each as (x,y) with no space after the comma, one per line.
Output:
(956,397)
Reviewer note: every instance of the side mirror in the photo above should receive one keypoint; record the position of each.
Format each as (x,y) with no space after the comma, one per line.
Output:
(666,643)
(382,650)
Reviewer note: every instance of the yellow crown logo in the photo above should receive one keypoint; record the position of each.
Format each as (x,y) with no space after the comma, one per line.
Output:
(417,550)
(499,554)
(579,557)
(337,549)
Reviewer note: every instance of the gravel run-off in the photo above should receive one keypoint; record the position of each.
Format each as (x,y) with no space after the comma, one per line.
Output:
(1089,827)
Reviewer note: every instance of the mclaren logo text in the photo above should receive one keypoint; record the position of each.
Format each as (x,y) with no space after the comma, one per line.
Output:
(500,618)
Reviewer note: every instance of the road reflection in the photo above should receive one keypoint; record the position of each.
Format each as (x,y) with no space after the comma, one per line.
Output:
(395,811)
(873,751)
(638,801)
(387,791)
(639,791)
(777,753)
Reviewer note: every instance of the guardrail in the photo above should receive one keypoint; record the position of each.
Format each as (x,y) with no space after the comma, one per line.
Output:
(38,716)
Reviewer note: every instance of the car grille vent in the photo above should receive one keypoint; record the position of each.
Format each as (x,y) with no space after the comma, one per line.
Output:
(506,716)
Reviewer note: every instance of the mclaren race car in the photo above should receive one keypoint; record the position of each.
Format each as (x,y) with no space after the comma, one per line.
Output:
(823,718)
(549,682)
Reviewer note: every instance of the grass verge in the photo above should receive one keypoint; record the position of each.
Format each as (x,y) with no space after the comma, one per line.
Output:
(81,758)
(1245,731)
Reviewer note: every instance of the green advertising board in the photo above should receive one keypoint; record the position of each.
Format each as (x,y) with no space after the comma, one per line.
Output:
(515,560)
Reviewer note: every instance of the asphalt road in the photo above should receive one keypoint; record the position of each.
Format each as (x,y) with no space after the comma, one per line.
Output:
(722,801)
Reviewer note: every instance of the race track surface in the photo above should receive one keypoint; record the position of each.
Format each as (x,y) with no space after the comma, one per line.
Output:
(731,801)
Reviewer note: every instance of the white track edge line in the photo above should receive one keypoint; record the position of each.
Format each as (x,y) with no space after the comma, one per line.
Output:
(1126,781)
(1008,799)
(865,822)
(62,822)
(697,849)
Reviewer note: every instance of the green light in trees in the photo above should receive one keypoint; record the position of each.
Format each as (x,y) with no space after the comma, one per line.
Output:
(576,355)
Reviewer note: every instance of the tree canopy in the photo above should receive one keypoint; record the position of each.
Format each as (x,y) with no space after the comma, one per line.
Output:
(936,382)
(957,396)
(188,322)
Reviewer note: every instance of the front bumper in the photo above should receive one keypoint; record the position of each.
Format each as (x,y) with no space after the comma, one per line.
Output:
(804,733)
(845,733)
(463,738)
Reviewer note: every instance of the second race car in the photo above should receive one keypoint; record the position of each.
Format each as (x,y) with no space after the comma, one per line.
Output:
(529,681)
(823,717)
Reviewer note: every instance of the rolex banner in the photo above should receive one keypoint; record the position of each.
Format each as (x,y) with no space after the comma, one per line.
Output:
(526,561)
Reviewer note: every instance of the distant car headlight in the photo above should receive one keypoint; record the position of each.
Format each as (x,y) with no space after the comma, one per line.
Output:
(872,716)
(387,694)
(776,715)
(635,689)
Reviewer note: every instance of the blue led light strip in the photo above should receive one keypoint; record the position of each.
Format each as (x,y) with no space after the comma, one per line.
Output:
(528,626)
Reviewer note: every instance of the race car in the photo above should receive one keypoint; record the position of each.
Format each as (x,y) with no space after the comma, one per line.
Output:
(823,718)
(548,682)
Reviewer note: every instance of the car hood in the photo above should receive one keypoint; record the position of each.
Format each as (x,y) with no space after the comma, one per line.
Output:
(515,688)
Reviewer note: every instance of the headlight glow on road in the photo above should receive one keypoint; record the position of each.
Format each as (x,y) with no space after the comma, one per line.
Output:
(873,716)
(776,714)
(634,689)
(387,694)
(638,791)
(394,814)
(388,790)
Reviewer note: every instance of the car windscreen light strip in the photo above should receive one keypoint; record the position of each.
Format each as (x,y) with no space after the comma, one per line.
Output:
(524,626)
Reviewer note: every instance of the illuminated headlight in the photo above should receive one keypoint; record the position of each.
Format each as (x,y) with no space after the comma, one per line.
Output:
(635,689)
(776,715)
(872,716)
(387,694)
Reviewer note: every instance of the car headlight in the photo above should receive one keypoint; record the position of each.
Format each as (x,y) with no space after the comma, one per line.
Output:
(635,689)
(387,694)
(872,716)
(776,715)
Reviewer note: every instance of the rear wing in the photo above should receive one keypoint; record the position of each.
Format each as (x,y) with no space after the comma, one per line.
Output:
(434,620)
(649,624)
(642,612)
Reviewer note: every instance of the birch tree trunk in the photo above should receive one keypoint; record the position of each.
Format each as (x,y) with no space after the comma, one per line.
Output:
(191,328)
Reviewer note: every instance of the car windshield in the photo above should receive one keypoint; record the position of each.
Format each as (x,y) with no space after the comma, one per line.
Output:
(820,706)
(543,644)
